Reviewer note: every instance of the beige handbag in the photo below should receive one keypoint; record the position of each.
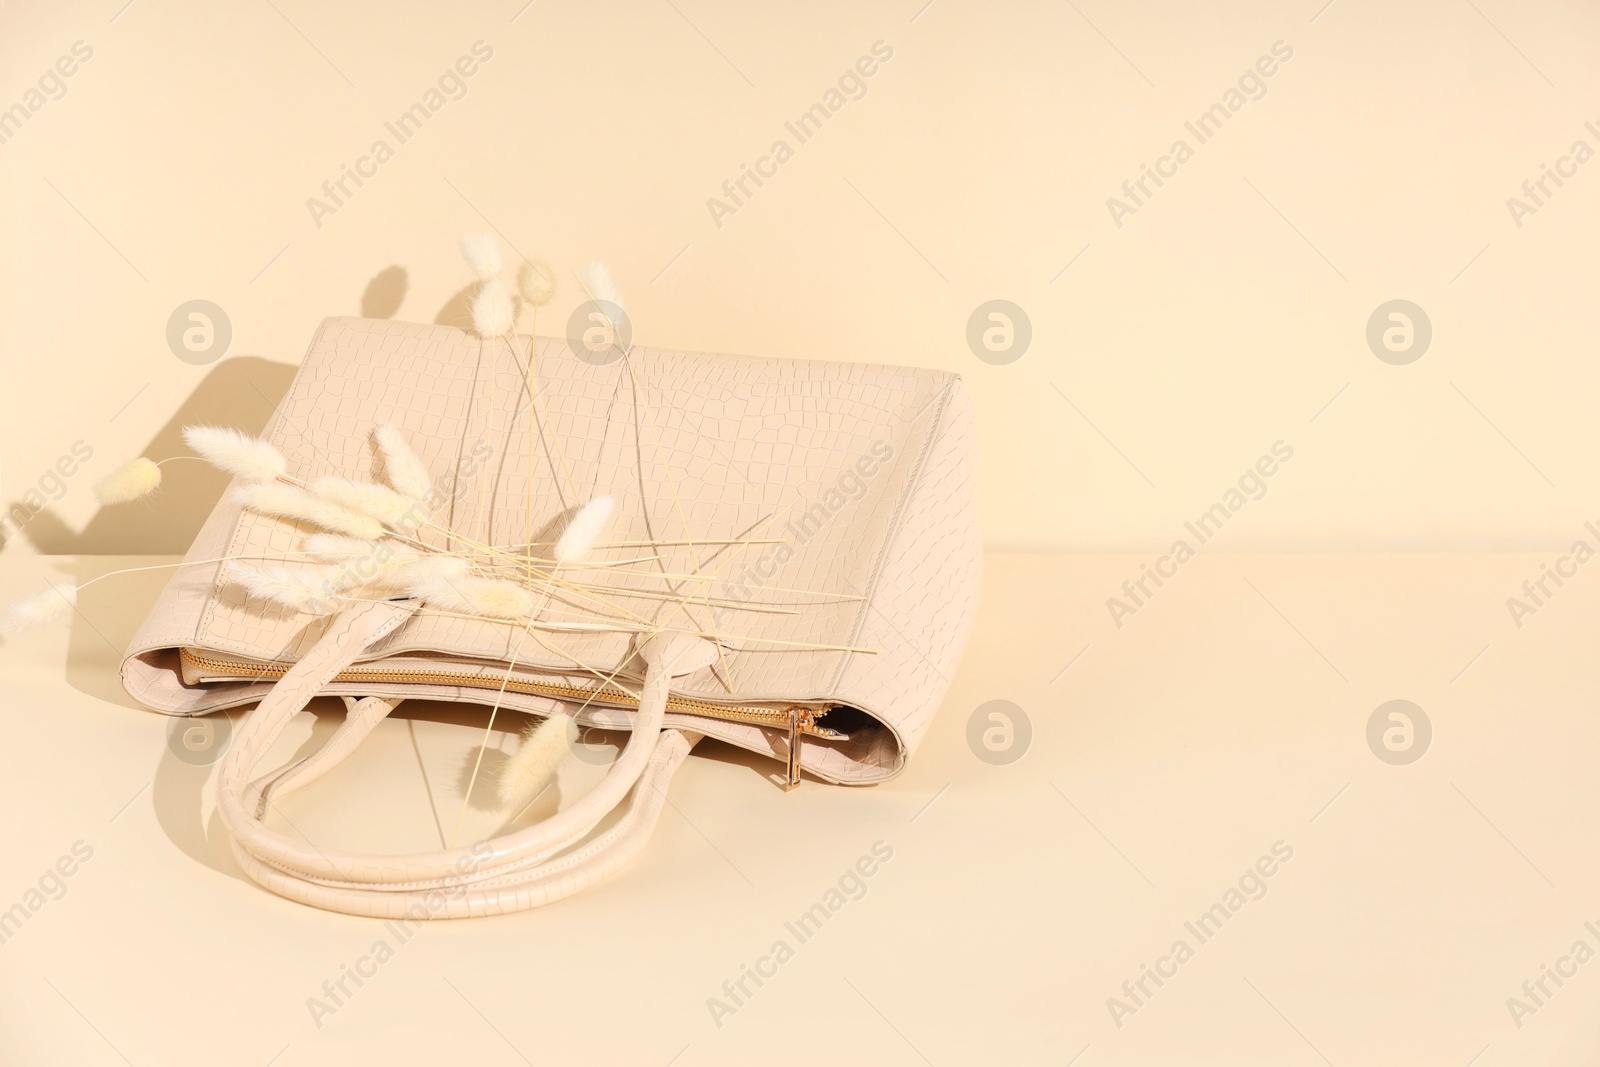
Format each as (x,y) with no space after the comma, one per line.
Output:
(805,557)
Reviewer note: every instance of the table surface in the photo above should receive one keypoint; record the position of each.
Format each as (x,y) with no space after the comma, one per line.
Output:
(1220,732)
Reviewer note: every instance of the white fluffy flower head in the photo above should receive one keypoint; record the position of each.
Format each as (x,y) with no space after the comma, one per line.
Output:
(536,282)
(483,255)
(493,314)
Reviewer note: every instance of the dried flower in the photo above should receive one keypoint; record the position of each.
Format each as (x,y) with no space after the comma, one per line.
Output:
(492,311)
(312,590)
(408,569)
(369,498)
(536,282)
(128,482)
(404,471)
(238,453)
(483,255)
(544,745)
(292,502)
(493,598)
(39,610)
(337,548)
(578,539)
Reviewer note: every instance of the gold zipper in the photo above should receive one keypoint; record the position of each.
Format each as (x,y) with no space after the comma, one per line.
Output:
(797,719)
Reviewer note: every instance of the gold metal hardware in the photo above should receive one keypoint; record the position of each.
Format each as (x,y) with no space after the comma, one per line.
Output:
(797,719)
(801,720)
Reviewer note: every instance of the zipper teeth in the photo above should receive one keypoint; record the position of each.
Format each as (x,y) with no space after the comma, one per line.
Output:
(756,716)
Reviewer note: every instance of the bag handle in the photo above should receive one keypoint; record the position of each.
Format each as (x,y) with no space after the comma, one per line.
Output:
(508,873)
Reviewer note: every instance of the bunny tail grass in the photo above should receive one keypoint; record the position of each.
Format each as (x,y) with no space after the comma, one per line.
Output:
(402,469)
(369,498)
(337,548)
(483,255)
(536,282)
(597,279)
(578,539)
(544,745)
(313,591)
(238,453)
(39,610)
(354,563)
(408,569)
(492,310)
(493,598)
(128,482)
(291,502)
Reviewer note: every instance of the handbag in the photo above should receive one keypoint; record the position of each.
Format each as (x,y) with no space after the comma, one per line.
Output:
(792,567)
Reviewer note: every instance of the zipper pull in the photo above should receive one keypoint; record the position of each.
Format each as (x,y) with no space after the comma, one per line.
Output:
(798,716)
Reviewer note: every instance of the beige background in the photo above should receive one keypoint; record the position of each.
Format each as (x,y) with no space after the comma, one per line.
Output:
(1166,759)
(1168,354)
(1221,317)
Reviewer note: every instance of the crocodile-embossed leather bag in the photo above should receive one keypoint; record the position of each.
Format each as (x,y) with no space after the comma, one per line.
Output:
(795,546)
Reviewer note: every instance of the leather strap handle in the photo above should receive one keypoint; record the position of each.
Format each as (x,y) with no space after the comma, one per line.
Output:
(518,870)
(361,716)
(460,897)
